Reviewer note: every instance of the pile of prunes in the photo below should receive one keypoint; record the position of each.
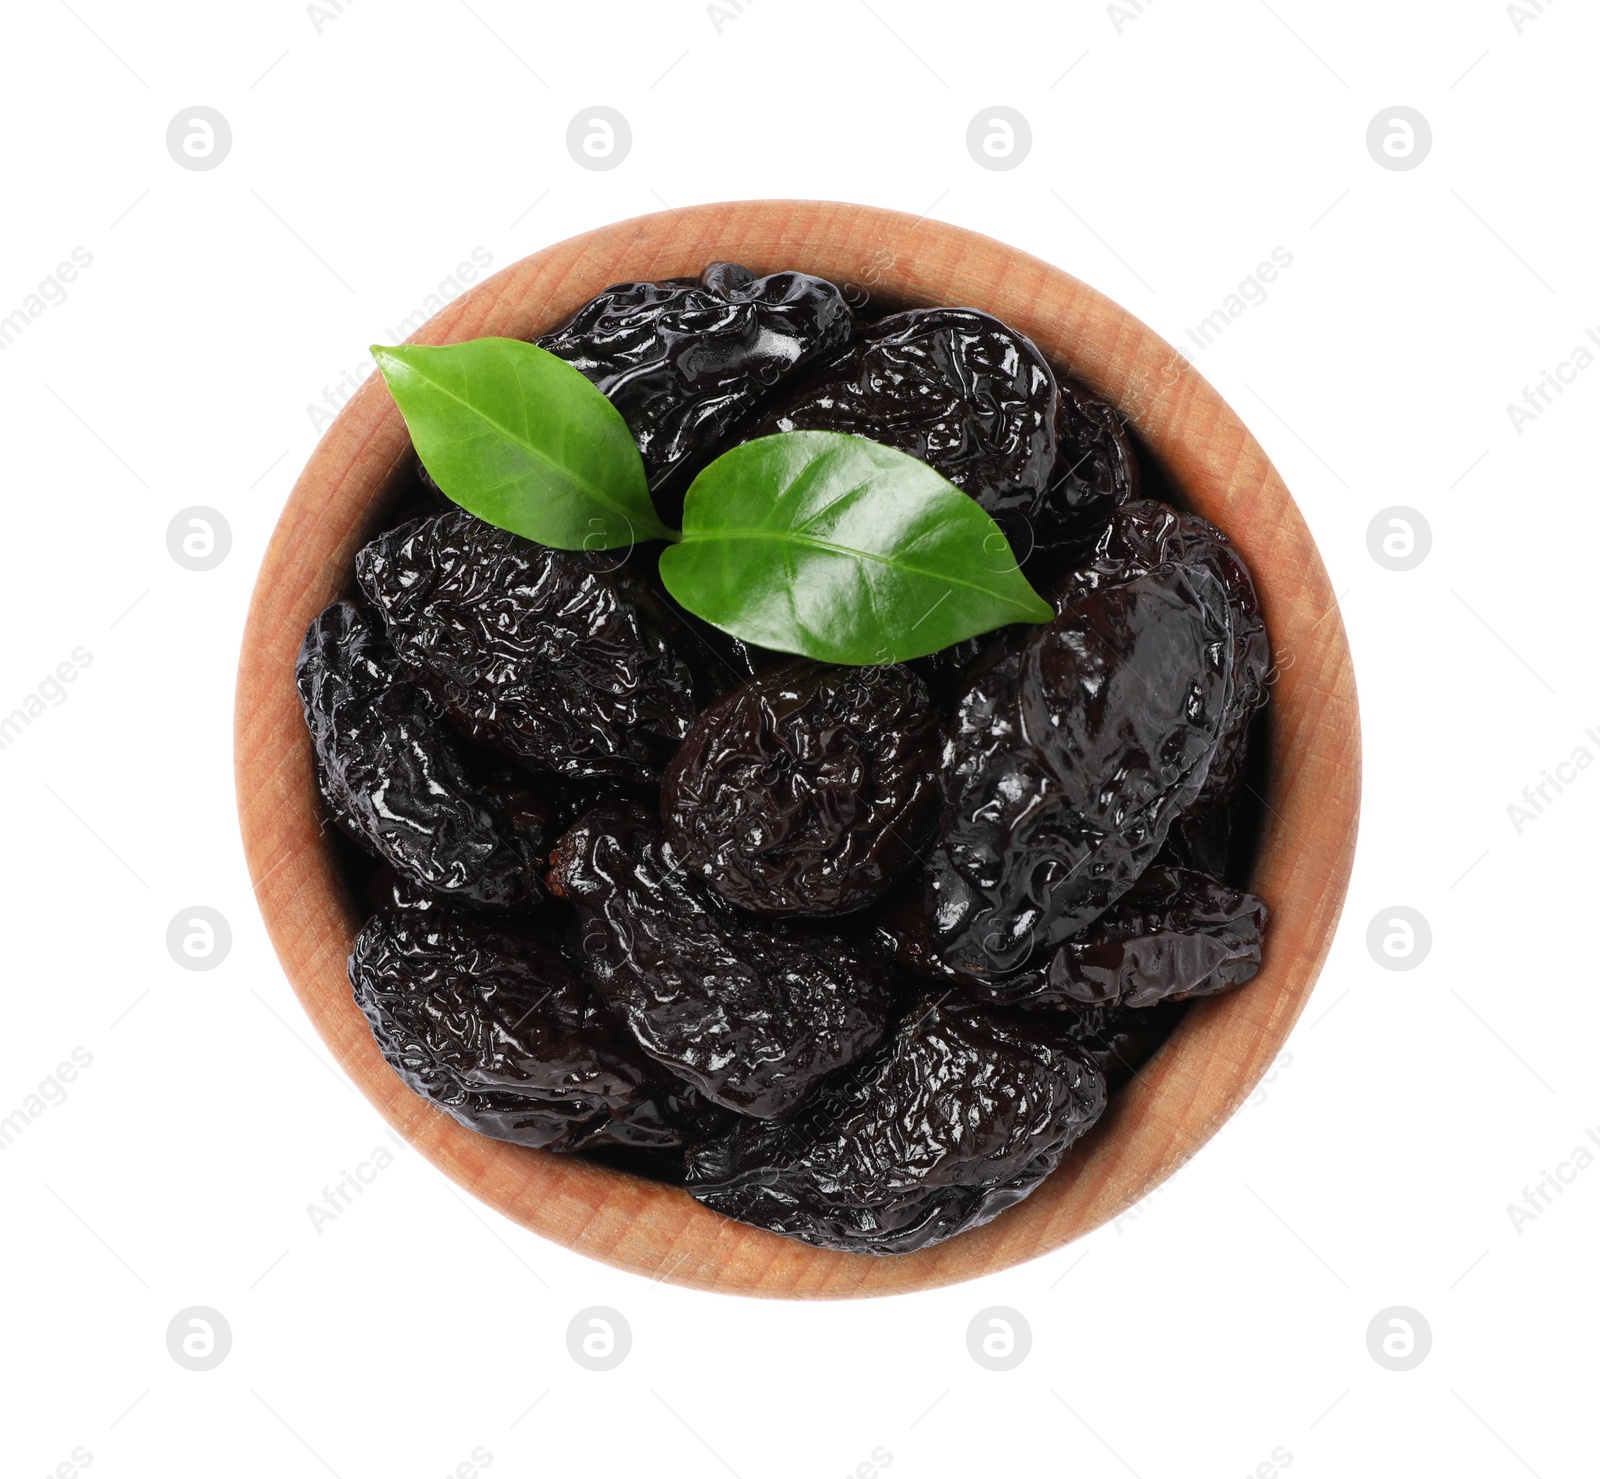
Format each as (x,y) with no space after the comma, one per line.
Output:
(850,953)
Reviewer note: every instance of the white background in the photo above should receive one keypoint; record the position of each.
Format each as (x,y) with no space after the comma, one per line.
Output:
(1173,149)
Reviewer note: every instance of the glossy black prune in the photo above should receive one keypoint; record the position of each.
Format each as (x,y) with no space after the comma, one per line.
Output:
(1174,935)
(898,933)
(752,1015)
(977,401)
(686,360)
(395,778)
(960,1114)
(1145,535)
(718,660)
(808,789)
(1071,755)
(493,1027)
(1096,467)
(559,658)
(1119,1041)
(1200,839)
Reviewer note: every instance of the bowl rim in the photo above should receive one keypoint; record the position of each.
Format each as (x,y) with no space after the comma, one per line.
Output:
(1223,1045)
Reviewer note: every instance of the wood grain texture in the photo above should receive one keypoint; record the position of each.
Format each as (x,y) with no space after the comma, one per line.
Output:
(1223,1046)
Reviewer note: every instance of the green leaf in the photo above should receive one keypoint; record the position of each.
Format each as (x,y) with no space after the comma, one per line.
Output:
(840,549)
(518,437)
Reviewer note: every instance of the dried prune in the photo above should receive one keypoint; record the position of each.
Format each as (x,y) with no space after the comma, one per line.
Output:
(1200,839)
(1119,1041)
(553,656)
(1096,468)
(961,1113)
(808,789)
(946,671)
(1174,935)
(686,360)
(899,934)
(1143,536)
(977,401)
(393,775)
(752,1015)
(492,1026)
(1071,755)
(718,660)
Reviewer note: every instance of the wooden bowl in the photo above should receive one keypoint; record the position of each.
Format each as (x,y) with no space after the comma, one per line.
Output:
(1223,1045)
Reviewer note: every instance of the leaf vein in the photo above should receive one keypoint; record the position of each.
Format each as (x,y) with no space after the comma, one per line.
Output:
(759,536)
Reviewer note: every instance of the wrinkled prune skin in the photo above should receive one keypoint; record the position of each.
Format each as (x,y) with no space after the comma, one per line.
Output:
(808,790)
(686,360)
(960,1114)
(1145,535)
(718,660)
(551,656)
(1142,536)
(393,775)
(493,1027)
(1096,468)
(1119,1041)
(1071,756)
(899,936)
(977,401)
(1174,935)
(752,1014)
(1200,839)
(946,671)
